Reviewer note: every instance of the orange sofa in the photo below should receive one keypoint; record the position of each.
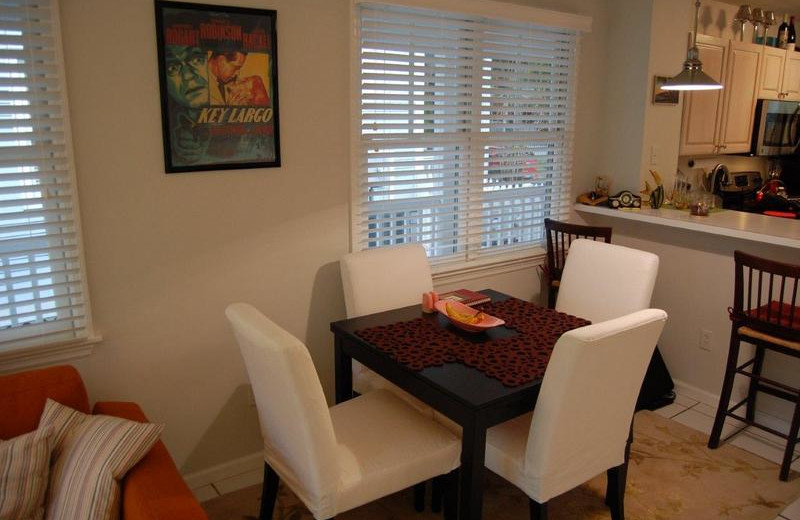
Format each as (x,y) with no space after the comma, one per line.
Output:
(152,490)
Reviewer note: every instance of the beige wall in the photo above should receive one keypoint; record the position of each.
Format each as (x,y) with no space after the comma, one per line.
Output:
(626,72)
(166,253)
(662,123)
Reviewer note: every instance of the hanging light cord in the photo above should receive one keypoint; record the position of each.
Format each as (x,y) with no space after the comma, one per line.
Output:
(693,56)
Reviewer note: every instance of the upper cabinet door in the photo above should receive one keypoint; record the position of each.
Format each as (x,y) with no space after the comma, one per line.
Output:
(740,93)
(702,109)
(791,77)
(773,61)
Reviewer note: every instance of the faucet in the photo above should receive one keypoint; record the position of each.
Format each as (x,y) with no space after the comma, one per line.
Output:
(719,177)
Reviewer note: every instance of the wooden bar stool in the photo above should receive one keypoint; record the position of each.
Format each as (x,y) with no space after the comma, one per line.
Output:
(559,236)
(765,313)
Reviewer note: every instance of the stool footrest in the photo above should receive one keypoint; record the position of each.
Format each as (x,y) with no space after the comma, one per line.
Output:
(775,388)
(756,425)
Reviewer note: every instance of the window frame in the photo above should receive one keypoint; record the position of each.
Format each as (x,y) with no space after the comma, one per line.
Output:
(38,354)
(486,263)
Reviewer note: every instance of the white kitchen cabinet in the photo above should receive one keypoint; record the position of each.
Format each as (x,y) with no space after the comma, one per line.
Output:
(791,77)
(702,109)
(780,75)
(740,93)
(721,121)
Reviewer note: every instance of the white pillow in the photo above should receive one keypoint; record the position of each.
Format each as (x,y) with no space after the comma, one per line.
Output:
(24,470)
(91,453)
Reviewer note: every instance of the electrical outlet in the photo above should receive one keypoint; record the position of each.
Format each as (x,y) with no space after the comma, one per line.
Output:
(705,340)
(654,153)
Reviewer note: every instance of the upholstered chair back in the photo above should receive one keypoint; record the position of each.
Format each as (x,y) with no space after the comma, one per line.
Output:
(299,440)
(604,281)
(585,406)
(376,280)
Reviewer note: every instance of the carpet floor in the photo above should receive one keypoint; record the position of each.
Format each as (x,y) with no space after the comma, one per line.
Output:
(672,475)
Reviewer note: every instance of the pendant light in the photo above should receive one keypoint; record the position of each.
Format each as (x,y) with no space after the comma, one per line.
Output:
(692,77)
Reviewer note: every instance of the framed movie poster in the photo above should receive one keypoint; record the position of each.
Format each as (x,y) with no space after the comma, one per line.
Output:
(218,74)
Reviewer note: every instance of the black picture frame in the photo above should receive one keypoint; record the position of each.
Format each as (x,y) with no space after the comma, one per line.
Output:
(664,97)
(218,76)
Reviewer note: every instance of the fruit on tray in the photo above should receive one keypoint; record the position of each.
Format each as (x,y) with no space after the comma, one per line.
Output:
(462,317)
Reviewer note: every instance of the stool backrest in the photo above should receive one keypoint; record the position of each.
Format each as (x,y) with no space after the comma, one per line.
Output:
(560,235)
(766,296)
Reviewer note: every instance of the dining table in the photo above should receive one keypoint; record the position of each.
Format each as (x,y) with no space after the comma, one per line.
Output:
(477,380)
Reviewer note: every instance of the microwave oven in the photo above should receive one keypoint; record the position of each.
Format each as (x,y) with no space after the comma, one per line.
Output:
(777,127)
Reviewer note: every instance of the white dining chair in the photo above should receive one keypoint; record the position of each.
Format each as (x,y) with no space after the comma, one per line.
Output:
(377,280)
(601,281)
(334,459)
(381,279)
(580,427)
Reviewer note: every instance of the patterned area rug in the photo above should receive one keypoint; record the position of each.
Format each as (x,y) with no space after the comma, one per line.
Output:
(672,476)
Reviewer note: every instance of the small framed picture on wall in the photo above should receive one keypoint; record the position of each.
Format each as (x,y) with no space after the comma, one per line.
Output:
(218,73)
(663,97)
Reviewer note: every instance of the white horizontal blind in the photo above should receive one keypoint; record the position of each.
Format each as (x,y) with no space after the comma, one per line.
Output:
(41,283)
(466,129)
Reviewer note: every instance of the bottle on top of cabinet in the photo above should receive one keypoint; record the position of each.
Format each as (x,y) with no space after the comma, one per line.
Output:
(783,32)
(791,38)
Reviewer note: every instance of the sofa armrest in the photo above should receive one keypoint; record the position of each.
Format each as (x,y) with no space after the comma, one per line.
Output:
(153,489)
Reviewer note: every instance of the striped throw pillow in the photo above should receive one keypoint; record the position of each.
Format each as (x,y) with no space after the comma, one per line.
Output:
(24,470)
(91,453)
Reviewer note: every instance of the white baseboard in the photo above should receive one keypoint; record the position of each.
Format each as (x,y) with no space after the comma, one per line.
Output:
(686,390)
(254,461)
(697,394)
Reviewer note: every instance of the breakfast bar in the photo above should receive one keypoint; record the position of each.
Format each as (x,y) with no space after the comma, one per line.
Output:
(722,223)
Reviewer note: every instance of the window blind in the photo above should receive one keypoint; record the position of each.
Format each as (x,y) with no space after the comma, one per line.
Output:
(42,289)
(466,128)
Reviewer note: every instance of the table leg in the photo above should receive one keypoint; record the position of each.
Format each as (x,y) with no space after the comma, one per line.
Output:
(343,372)
(473,452)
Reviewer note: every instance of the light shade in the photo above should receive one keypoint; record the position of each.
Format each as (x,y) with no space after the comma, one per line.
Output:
(691,80)
(692,77)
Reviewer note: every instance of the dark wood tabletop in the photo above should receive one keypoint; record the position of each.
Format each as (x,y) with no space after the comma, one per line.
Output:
(464,394)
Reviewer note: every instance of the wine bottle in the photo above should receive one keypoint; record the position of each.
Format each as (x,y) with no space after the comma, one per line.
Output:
(783,33)
(792,36)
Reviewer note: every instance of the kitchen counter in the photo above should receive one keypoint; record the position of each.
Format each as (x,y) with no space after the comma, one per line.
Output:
(748,226)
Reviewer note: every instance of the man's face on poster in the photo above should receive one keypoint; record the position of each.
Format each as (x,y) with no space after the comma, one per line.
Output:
(226,65)
(187,75)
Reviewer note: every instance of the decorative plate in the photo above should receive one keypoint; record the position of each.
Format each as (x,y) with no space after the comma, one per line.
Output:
(484,322)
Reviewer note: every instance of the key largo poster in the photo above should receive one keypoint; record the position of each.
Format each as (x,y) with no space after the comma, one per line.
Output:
(218,75)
